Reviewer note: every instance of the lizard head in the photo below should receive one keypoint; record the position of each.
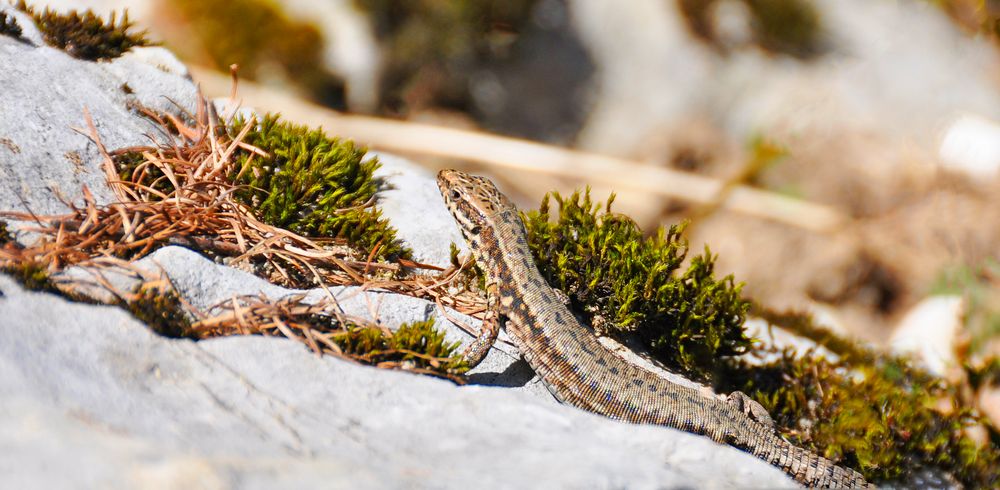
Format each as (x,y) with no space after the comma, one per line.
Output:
(472,200)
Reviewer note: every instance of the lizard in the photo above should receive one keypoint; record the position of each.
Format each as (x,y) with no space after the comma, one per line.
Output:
(577,369)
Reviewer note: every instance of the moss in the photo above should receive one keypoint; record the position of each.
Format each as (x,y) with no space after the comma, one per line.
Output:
(786,26)
(134,168)
(418,343)
(258,35)
(433,47)
(9,27)
(791,27)
(625,282)
(880,415)
(314,185)
(5,236)
(159,309)
(85,35)
(877,414)
(33,276)
(309,183)
(987,373)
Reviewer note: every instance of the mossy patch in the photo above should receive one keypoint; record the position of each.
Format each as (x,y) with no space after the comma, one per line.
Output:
(33,276)
(160,309)
(307,183)
(416,343)
(5,235)
(624,282)
(9,26)
(258,36)
(985,374)
(313,185)
(85,35)
(786,26)
(878,414)
(432,48)
(791,27)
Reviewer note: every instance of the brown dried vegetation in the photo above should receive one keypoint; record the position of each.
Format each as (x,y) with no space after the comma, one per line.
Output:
(177,194)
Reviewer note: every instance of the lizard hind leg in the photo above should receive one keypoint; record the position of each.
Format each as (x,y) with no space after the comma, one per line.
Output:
(480,346)
(740,401)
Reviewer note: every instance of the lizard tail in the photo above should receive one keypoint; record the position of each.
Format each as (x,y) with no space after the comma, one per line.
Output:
(804,466)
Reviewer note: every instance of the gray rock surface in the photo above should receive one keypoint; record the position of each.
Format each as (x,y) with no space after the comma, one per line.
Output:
(899,69)
(411,200)
(45,92)
(118,406)
(90,398)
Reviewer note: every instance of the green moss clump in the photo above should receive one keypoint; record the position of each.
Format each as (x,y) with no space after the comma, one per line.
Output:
(258,36)
(878,415)
(786,26)
(432,48)
(418,343)
(5,236)
(32,275)
(313,185)
(35,276)
(160,310)
(986,373)
(9,27)
(85,35)
(791,27)
(625,282)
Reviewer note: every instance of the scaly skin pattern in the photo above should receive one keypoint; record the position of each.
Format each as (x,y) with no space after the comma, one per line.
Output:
(573,364)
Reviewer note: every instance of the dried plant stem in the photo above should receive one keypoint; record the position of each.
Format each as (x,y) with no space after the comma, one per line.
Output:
(518,155)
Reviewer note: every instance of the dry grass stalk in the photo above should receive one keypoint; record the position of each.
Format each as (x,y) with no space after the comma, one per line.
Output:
(508,155)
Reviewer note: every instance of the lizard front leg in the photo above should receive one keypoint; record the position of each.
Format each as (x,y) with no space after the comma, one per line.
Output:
(480,346)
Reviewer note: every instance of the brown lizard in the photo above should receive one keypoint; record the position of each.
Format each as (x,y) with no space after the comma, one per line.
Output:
(577,368)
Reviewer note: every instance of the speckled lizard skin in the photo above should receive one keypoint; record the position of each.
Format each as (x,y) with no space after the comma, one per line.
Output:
(574,365)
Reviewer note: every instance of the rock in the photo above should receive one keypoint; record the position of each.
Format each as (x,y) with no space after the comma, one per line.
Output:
(971,144)
(349,47)
(988,402)
(898,70)
(427,229)
(928,331)
(44,150)
(92,388)
(89,397)
(669,64)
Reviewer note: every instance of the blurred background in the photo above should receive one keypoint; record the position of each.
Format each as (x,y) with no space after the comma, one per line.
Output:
(840,156)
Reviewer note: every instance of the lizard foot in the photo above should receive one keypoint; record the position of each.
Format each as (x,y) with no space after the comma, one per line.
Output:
(751,408)
(562,297)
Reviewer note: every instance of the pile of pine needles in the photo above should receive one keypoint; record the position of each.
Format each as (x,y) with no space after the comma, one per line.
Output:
(178,193)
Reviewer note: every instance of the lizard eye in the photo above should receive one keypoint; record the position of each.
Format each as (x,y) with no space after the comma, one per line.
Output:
(456,195)
(475,230)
